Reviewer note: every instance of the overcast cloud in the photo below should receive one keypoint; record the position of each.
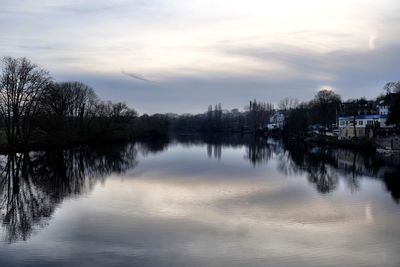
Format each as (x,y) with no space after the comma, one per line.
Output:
(180,56)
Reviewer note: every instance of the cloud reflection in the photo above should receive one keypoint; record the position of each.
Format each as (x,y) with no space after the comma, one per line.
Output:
(171,202)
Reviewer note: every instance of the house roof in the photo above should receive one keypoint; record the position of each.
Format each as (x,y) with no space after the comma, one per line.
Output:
(364,117)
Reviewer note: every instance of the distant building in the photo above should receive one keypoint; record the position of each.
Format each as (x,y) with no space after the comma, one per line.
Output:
(368,115)
(383,107)
(276,121)
(363,125)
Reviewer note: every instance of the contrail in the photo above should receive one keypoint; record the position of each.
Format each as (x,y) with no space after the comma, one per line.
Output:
(137,76)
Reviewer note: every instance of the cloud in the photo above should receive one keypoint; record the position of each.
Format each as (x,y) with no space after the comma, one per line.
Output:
(346,69)
(230,53)
(372,42)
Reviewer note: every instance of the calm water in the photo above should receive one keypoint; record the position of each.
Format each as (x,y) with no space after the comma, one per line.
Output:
(227,201)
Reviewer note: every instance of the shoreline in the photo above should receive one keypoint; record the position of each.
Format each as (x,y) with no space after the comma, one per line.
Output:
(365,145)
(37,146)
(361,145)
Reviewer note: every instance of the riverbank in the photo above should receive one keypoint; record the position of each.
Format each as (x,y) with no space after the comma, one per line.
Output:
(52,144)
(360,144)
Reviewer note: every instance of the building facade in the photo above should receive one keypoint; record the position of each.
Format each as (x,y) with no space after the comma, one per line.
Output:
(383,108)
(276,121)
(364,125)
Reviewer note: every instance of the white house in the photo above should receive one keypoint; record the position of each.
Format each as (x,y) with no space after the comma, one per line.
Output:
(383,107)
(346,126)
(276,121)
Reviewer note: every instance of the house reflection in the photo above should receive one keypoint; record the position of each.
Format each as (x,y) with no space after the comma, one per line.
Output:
(33,184)
(323,166)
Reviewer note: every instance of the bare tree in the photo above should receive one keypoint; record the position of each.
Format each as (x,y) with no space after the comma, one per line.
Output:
(22,84)
(325,105)
(287,104)
(257,114)
(82,101)
(121,112)
(392,87)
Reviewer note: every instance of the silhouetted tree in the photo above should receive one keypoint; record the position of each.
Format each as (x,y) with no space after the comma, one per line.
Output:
(298,120)
(154,125)
(392,87)
(22,85)
(257,115)
(287,104)
(394,112)
(67,109)
(325,106)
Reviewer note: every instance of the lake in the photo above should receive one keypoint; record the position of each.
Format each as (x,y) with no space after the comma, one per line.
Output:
(200,201)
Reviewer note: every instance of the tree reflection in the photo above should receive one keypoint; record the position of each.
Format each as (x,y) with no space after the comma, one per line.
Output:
(392,184)
(33,184)
(258,152)
(22,202)
(153,146)
(324,177)
(324,165)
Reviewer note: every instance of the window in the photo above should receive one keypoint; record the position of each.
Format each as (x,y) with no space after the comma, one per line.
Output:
(360,122)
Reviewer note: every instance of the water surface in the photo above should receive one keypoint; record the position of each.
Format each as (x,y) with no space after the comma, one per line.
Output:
(192,201)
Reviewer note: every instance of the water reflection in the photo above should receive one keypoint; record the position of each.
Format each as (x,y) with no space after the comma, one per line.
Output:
(153,146)
(33,184)
(322,165)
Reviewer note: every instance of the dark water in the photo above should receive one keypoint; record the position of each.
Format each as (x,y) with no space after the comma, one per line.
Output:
(191,201)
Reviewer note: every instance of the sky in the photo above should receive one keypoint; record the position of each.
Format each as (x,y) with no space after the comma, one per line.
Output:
(182,55)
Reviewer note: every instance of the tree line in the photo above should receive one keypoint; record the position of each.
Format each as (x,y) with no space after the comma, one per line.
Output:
(217,120)
(298,118)
(36,109)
